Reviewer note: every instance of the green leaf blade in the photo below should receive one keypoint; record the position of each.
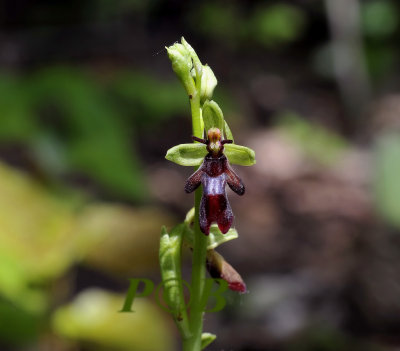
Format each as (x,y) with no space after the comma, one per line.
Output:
(170,264)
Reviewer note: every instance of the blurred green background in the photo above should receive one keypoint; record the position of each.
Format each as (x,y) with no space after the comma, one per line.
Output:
(89,106)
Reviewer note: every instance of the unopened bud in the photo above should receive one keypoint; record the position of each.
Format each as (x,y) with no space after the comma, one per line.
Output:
(208,83)
(219,268)
(182,64)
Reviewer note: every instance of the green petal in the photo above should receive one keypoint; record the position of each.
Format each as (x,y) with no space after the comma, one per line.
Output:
(240,155)
(212,116)
(187,154)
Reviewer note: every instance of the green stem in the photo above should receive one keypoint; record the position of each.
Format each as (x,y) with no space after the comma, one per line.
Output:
(198,280)
(199,249)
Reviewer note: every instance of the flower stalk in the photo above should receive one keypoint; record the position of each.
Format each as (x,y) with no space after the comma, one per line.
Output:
(199,248)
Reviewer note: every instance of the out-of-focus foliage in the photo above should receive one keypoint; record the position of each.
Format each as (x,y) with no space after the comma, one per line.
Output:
(317,142)
(92,318)
(217,20)
(277,24)
(379,18)
(327,339)
(129,238)
(42,235)
(36,245)
(271,25)
(74,122)
(386,182)
(136,92)
(18,326)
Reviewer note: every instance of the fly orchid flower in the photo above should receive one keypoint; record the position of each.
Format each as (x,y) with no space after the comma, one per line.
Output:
(214,173)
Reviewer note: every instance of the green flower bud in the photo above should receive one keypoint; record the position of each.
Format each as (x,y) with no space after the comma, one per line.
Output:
(182,64)
(196,61)
(208,83)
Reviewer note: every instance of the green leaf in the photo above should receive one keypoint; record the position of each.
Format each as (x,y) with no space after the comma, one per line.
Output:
(212,116)
(214,239)
(240,155)
(187,154)
(207,339)
(170,262)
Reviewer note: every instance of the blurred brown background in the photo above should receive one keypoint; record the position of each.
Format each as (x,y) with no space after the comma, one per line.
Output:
(89,106)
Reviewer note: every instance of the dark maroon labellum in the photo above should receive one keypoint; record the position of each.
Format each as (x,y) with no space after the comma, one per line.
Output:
(214,173)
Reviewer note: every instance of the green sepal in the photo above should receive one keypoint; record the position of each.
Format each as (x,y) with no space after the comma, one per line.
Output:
(193,154)
(214,239)
(212,116)
(170,263)
(187,154)
(240,155)
(207,339)
(228,132)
